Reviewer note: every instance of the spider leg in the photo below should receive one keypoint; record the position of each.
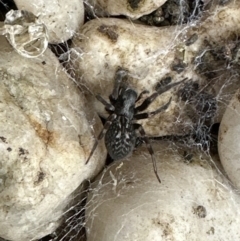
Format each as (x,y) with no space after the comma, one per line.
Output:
(159,91)
(142,94)
(149,147)
(120,74)
(101,135)
(107,105)
(146,115)
(163,88)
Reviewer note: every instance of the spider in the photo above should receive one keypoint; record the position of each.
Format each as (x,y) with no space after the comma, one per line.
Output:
(120,129)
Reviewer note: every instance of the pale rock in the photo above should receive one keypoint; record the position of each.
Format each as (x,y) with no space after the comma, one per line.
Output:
(46,135)
(149,54)
(106,44)
(193,202)
(131,8)
(229,142)
(62,18)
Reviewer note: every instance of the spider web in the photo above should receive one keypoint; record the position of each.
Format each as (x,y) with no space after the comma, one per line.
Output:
(201,100)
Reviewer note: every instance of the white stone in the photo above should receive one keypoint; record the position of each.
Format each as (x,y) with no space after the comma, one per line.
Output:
(130,8)
(193,202)
(61,17)
(148,53)
(43,155)
(229,142)
(106,44)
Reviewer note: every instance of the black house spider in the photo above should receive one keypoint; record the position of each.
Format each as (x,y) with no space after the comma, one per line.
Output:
(120,127)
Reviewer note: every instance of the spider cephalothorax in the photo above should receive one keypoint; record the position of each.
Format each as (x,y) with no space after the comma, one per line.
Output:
(120,129)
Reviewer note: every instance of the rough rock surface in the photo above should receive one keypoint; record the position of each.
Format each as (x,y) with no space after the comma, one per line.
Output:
(150,54)
(193,202)
(228,141)
(130,8)
(46,129)
(61,18)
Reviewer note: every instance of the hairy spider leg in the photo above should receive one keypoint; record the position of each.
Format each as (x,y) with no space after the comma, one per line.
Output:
(159,91)
(141,95)
(149,147)
(146,115)
(101,135)
(107,105)
(120,74)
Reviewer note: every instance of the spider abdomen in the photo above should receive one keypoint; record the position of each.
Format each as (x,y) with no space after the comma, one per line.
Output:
(120,138)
